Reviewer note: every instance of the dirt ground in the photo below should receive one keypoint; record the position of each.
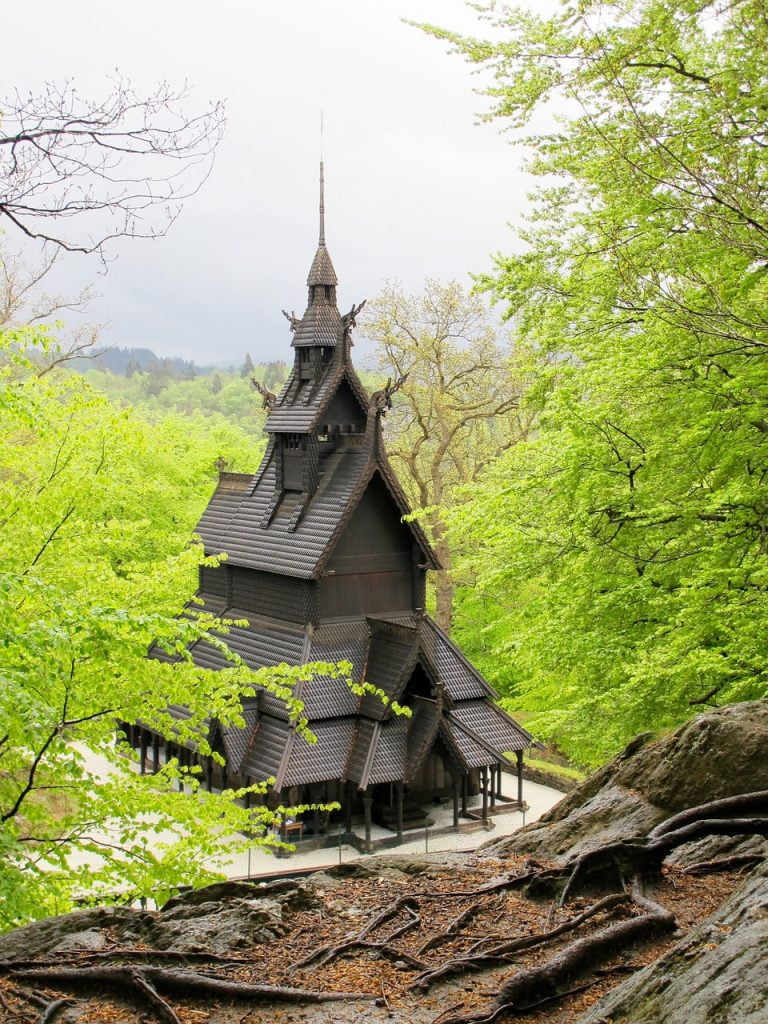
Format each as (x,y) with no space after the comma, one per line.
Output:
(445,917)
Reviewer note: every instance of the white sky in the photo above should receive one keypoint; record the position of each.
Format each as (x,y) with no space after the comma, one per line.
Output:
(414,187)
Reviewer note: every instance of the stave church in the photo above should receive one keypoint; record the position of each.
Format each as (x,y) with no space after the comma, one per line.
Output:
(323,566)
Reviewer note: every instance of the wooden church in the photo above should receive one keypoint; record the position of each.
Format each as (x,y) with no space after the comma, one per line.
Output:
(323,567)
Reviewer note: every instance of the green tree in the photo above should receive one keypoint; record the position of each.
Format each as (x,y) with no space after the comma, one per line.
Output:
(96,511)
(275,375)
(24,300)
(246,370)
(624,545)
(457,408)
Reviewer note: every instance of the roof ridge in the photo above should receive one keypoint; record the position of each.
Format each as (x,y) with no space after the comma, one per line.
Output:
(442,635)
(370,757)
(285,760)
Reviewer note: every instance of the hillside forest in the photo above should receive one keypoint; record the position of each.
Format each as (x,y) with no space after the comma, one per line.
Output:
(584,435)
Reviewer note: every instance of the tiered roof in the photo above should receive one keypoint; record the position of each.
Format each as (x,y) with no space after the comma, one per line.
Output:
(359,738)
(265,528)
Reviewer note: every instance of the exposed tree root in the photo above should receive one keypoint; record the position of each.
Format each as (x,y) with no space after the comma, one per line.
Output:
(754,803)
(387,914)
(36,998)
(150,956)
(324,954)
(501,952)
(185,983)
(545,982)
(163,1010)
(52,1010)
(453,928)
(710,867)
(646,856)
(384,949)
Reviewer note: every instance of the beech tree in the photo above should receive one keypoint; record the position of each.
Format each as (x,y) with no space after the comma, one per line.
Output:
(628,553)
(24,301)
(77,172)
(457,407)
(97,508)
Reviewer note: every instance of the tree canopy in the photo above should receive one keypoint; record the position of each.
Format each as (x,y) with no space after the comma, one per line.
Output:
(458,404)
(623,545)
(97,510)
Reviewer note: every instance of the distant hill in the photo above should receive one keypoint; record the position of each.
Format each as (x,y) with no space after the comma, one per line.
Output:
(124,361)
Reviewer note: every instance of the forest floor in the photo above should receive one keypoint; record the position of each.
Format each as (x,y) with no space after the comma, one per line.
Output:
(425,918)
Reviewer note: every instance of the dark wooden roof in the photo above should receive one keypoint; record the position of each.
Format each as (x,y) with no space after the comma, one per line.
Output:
(393,651)
(301,408)
(358,738)
(233,520)
(487,724)
(321,272)
(320,325)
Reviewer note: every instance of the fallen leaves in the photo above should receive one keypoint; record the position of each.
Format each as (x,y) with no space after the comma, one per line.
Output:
(453,919)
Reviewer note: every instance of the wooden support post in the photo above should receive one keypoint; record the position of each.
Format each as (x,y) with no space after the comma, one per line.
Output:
(484,782)
(281,833)
(464,793)
(520,777)
(399,792)
(155,754)
(143,752)
(209,772)
(456,789)
(367,804)
(348,798)
(499,777)
(325,818)
(493,787)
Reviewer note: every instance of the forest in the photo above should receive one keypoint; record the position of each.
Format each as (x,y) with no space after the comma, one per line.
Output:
(584,435)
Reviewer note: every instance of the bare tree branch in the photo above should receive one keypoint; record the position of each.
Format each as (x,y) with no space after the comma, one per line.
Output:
(106,165)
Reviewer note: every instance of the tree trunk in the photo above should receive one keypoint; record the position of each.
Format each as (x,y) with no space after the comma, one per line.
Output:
(444,601)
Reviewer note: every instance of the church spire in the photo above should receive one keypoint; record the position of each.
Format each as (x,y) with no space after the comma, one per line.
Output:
(321,272)
(321,240)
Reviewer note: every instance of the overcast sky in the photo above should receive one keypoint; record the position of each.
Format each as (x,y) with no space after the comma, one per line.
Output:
(415,187)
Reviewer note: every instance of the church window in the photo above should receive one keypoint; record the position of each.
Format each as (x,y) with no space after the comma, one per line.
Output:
(294,449)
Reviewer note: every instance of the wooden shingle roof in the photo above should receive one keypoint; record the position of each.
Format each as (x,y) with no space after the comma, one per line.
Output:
(320,325)
(233,521)
(301,407)
(487,724)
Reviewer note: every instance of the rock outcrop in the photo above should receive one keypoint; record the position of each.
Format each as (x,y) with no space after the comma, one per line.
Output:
(223,918)
(717,975)
(718,754)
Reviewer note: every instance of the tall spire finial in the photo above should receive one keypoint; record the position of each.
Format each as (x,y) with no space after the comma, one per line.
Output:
(322,206)
(322,185)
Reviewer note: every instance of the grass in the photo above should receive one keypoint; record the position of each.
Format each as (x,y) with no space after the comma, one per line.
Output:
(556,769)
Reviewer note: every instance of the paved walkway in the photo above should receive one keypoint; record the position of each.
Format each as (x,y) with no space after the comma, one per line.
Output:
(422,841)
(260,861)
